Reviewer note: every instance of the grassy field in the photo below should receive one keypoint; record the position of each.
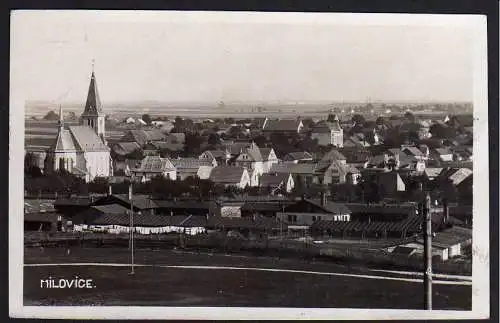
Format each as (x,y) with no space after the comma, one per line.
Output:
(160,286)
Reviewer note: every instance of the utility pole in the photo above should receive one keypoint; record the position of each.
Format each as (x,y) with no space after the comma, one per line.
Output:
(427,253)
(130,191)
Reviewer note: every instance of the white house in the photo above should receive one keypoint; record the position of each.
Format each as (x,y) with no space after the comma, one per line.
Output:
(328,133)
(257,160)
(153,166)
(230,176)
(82,150)
(193,167)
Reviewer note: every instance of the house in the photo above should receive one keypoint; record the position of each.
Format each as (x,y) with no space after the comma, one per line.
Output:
(444,154)
(415,152)
(231,209)
(193,167)
(277,181)
(390,183)
(338,172)
(455,176)
(356,157)
(462,153)
(48,221)
(396,159)
(125,166)
(125,148)
(302,214)
(432,173)
(461,121)
(296,157)
(140,203)
(257,160)
(282,125)
(219,156)
(328,133)
(302,173)
(450,242)
(230,176)
(153,166)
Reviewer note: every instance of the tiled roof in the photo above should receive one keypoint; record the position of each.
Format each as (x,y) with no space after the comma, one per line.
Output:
(361,208)
(155,164)
(411,224)
(281,125)
(214,154)
(73,201)
(414,151)
(226,174)
(139,201)
(125,148)
(296,169)
(237,148)
(273,180)
(190,163)
(111,209)
(460,175)
(326,127)
(334,154)
(185,204)
(264,152)
(63,142)
(432,171)
(450,237)
(298,155)
(86,139)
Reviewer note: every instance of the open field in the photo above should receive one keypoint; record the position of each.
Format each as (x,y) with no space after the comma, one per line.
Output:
(173,278)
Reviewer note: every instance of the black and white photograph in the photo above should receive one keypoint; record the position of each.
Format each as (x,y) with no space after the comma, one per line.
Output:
(222,165)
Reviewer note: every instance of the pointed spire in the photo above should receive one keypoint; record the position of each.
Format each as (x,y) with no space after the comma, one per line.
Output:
(61,117)
(93,104)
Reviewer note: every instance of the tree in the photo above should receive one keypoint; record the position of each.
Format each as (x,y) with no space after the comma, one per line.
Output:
(51,115)
(358,119)
(72,116)
(409,116)
(99,185)
(146,118)
(213,139)
(380,121)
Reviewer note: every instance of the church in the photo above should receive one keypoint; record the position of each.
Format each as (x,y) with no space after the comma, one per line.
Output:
(82,149)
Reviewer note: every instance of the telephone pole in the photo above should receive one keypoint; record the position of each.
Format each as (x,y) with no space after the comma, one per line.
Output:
(427,252)
(131,228)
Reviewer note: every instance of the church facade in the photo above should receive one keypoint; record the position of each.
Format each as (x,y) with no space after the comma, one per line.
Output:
(82,150)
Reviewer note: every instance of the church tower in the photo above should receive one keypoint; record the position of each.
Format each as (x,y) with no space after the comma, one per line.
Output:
(92,115)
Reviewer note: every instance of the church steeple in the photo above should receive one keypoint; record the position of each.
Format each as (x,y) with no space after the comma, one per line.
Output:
(93,115)
(61,118)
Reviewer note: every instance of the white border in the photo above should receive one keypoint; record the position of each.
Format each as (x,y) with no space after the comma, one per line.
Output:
(480,300)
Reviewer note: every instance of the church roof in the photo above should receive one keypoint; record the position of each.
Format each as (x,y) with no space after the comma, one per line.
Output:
(86,139)
(93,104)
(63,142)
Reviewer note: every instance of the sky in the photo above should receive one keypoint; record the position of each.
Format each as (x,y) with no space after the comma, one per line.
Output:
(238,57)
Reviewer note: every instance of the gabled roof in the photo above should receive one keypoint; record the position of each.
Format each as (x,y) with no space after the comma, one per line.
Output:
(282,125)
(63,142)
(86,139)
(330,207)
(333,154)
(155,164)
(326,127)
(190,163)
(432,172)
(273,180)
(93,105)
(460,175)
(299,155)
(414,151)
(139,201)
(227,174)
(125,148)
(215,154)
(295,169)
(265,152)
(111,209)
